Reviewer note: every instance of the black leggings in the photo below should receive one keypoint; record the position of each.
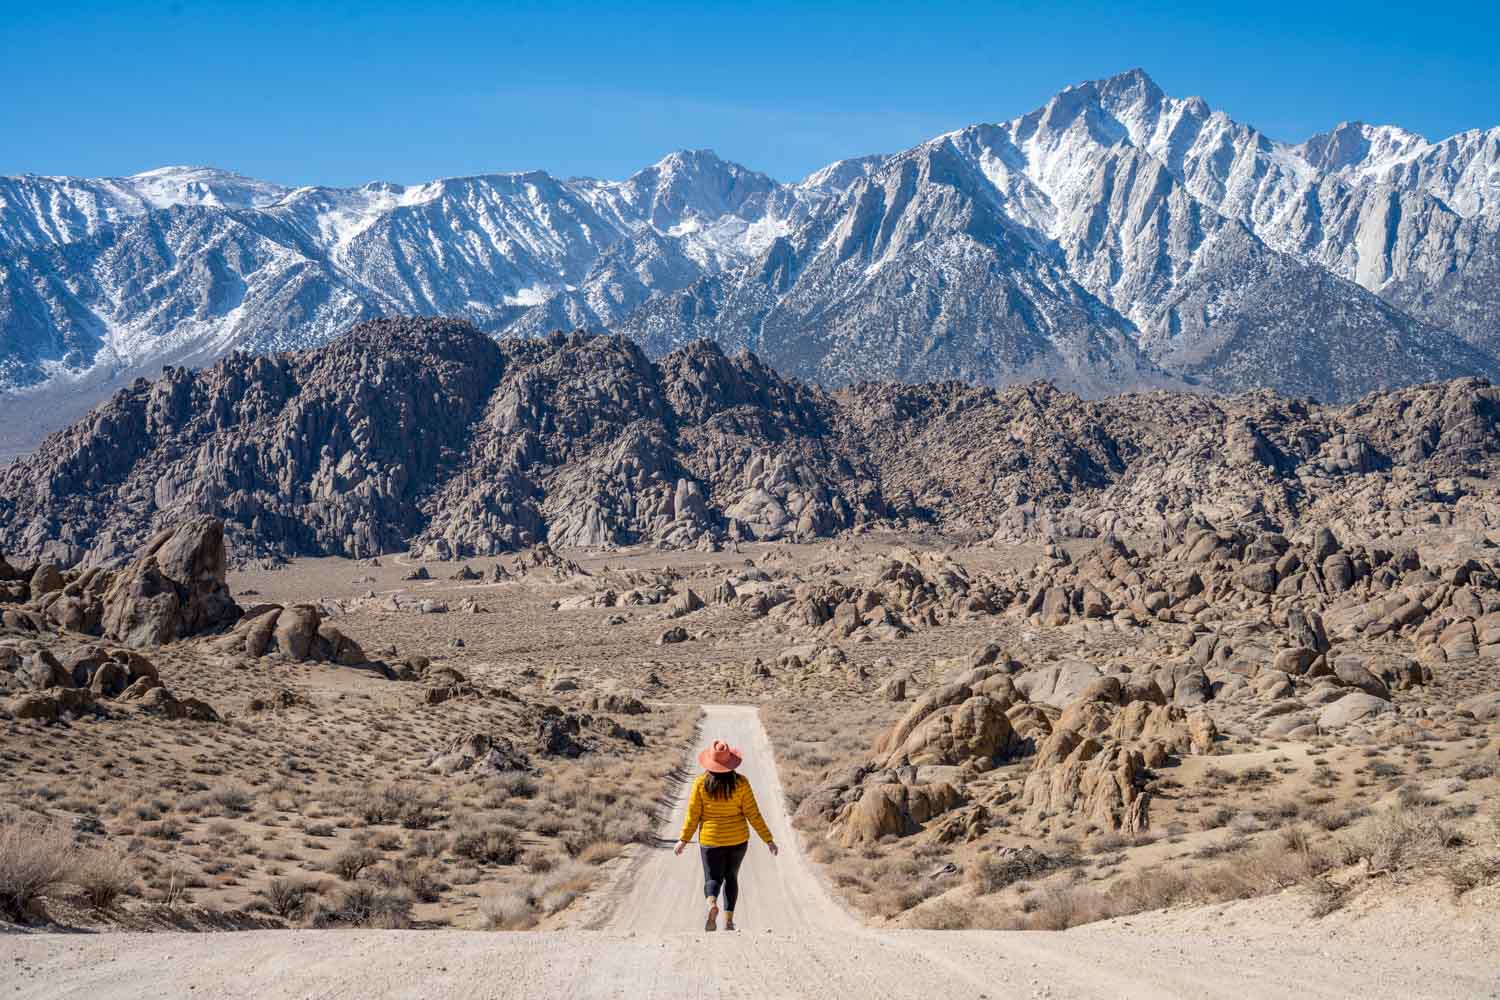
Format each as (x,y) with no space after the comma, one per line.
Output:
(721,869)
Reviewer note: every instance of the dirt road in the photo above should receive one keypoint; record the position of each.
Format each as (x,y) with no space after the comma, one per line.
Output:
(795,942)
(780,893)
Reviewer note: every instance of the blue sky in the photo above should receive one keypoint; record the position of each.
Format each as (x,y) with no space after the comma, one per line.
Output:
(341,93)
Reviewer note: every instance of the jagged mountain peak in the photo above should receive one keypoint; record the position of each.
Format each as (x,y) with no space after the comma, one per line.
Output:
(688,186)
(1132,86)
(1359,146)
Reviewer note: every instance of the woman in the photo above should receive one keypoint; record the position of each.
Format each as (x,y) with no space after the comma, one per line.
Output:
(721,803)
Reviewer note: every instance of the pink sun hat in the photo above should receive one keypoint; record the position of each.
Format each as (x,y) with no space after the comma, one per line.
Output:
(720,757)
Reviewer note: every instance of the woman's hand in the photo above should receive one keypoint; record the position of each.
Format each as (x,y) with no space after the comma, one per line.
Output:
(773,848)
(681,846)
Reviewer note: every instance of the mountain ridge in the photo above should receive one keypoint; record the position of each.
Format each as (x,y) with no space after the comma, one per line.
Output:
(430,437)
(1114,238)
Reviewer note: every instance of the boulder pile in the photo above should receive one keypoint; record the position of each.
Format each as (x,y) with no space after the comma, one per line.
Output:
(87,680)
(1086,763)
(297,633)
(173,589)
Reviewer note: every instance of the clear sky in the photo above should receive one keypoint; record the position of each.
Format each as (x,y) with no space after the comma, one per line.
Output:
(342,93)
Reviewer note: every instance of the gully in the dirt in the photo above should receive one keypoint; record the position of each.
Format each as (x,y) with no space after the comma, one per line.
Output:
(723,804)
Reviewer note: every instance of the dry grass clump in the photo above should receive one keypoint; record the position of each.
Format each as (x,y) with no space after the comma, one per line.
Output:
(285,897)
(942,915)
(1401,841)
(1406,841)
(35,855)
(403,804)
(540,896)
(423,879)
(38,854)
(104,874)
(1254,872)
(232,798)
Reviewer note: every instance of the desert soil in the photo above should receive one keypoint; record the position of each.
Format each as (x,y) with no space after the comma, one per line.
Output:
(795,941)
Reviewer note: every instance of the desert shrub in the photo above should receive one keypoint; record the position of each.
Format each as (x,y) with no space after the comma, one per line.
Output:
(993,872)
(1276,813)
(1336,819)
(233,798)
(365,905)
(167,829)
(941,915)
(348,863)
(518,785)
(1060,907)
(401,804)
(104,874)
(559,887)
(1216,818)
(427,845)
(1217,849)
(1104,843)
(420,878)
(549,825)
(486,844)
(1402,839)
(35,854)
(286,897)
(1151,891)
(609,828)
(600,851)
(388,840)
(507,911)
(898,899)
(538,862)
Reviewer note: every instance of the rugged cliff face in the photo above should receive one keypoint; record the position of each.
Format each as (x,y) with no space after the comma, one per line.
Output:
(426,434)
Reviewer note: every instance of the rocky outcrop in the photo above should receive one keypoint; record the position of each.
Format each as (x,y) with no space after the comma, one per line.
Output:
(297,633)
(173,589)
(975,731)
(479,755)
(87,680)
(469,447)
(1099,783)
(1088,763)
(472,448)
(893,809)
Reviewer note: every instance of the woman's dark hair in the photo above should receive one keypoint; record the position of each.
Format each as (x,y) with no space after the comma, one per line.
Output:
(721,786)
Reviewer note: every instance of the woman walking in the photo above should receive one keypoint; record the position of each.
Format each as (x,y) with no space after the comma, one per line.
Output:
(723,804)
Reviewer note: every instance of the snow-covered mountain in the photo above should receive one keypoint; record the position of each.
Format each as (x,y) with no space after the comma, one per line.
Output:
(1115,237)
(189,263)
(1113,229)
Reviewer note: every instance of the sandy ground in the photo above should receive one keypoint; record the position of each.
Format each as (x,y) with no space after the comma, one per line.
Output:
(795,942)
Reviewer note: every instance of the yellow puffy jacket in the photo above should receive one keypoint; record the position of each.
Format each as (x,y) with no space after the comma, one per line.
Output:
(723,820)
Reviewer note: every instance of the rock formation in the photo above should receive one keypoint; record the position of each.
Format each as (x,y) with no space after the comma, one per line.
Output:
(173,589)
(87,680)
(428,436)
